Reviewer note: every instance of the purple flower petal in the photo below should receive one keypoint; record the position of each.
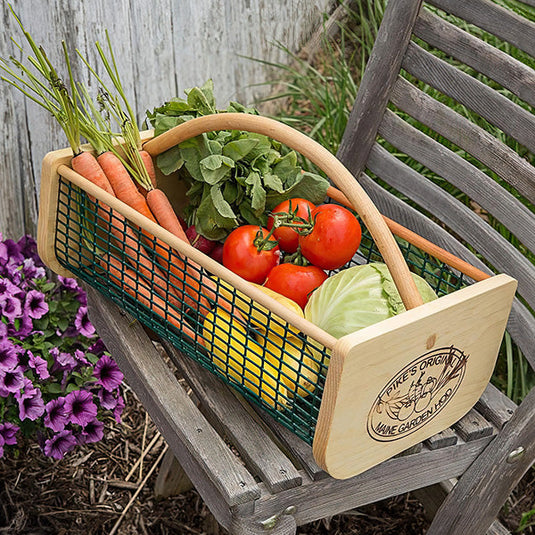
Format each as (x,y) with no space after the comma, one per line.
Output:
(107,399)
(8,432)
(56,416)
(8,355)
(35,305)
(82,323)
(1,446)
(93,431)
(12,380)
(10,252)
(80,407)
(66,361)
(3,331)
(118,411)
(60,444)
(31,407)
(39,364)
(11,308)
(7,288)
(28,248)
(108,373)
(25,328)
(79,355)
(68,283)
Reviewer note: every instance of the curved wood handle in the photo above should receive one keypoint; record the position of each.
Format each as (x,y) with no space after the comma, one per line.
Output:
(321,157)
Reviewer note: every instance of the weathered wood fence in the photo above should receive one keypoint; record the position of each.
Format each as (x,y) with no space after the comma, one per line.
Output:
(162,48)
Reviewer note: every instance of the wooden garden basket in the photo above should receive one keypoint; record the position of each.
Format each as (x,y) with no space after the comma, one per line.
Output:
(386,387)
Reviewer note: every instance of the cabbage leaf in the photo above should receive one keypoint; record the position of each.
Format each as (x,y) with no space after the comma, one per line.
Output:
(357,297)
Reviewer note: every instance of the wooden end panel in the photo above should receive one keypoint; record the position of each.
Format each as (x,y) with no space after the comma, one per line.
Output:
(399,382)
(48,205)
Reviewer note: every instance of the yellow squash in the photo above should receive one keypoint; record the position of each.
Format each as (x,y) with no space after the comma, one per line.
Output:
(239,357)
(299,371)
(261,318)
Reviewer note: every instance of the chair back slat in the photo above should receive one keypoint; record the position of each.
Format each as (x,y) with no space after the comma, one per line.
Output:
(463,175)
(493,18)
(462,220)
(390,45)
(475,95)
(468,136)
(481,56)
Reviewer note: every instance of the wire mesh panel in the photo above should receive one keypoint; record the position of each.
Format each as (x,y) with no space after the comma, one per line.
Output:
(266,359)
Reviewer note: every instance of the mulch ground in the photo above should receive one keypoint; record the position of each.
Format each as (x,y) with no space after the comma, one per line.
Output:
(92,491)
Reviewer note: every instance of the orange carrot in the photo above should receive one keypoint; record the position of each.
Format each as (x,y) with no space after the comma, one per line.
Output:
(161,207)
(149,166)
(87,165)
(131,283)
(123,185)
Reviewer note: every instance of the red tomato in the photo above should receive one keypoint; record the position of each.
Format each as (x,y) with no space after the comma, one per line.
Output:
(295,282)
(287,237)
(334,239)
(241,255)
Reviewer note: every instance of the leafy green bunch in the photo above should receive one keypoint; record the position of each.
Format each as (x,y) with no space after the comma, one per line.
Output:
(234,177)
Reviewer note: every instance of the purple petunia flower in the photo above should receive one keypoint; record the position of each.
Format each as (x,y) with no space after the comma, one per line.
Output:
(107,399)
(97,348)
(11,307)
(3,331)
(68,283)
(79,355)
(39,364)
(31,271)
(35,305)
(31,407)
(60,444)
(66,361)
(8,432)
(24,330)
(108,373)
(56,416)
(10,252)
(80,407)
(12,380)
(82,323)
(93,431)
(8,355)
(1,446)
(28,248)
(7,288)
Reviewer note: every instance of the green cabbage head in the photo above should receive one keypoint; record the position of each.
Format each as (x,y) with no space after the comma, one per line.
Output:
(358,297)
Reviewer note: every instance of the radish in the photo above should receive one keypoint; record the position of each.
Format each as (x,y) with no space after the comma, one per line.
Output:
(200,242)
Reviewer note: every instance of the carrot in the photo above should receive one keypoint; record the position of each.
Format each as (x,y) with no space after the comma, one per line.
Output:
(87,165)
(149,166)
(129,282)
(161,207)
(123,186)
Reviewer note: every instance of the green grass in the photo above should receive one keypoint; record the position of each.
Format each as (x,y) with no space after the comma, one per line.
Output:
(318,98)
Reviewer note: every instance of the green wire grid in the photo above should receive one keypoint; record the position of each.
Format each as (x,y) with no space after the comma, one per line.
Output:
(267,360)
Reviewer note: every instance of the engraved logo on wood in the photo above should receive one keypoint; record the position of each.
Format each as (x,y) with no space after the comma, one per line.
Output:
(417,394)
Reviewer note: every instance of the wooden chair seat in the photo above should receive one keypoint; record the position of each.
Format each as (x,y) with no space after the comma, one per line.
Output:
(250,470)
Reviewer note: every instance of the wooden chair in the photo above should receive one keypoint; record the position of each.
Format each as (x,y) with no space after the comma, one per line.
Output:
(256,476)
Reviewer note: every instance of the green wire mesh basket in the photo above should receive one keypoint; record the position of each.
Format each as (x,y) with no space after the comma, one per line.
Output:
(236,331)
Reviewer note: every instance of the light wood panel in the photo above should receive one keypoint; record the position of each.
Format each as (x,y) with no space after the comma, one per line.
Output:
(399,382)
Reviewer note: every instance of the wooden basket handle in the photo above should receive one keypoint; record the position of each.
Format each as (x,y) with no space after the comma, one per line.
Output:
(321,157)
